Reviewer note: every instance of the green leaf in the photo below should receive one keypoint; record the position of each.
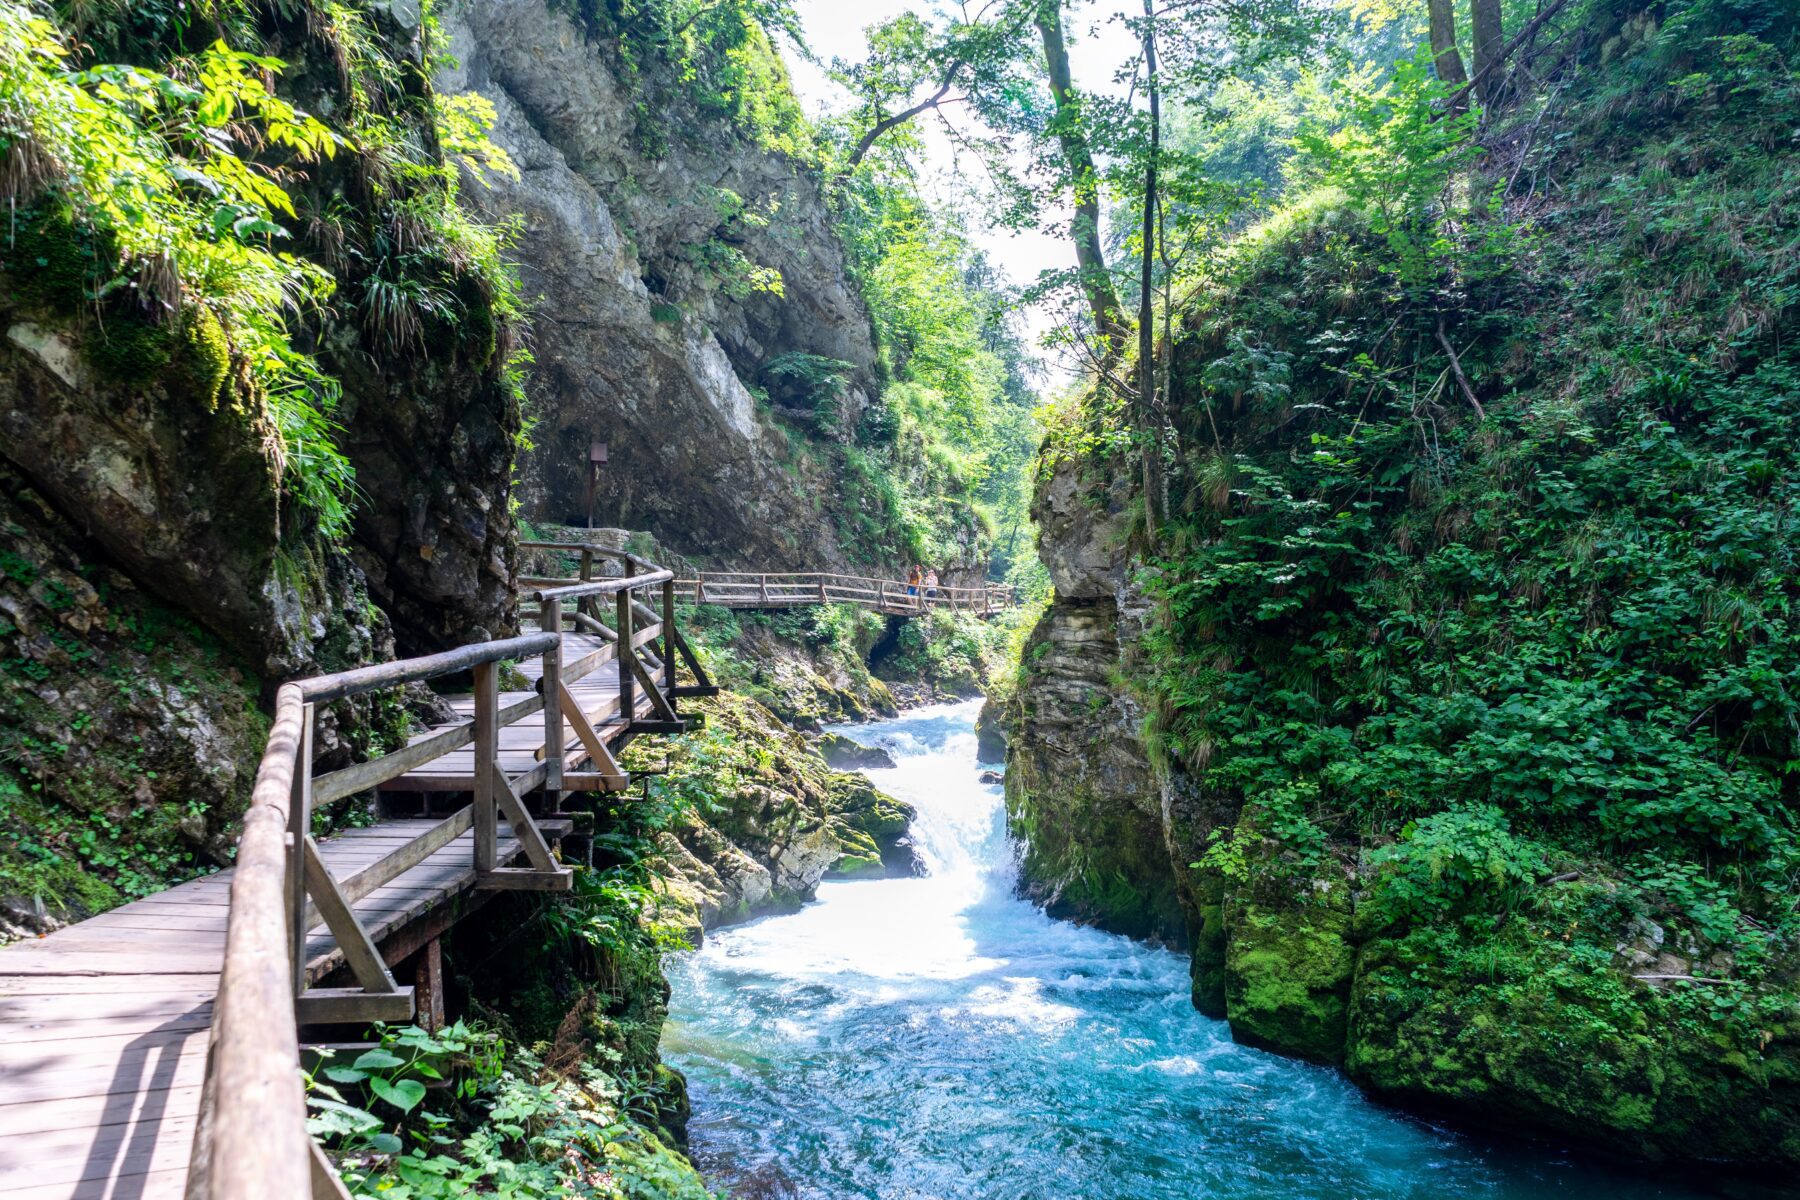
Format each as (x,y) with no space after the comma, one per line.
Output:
(403,1094)
(378,1060)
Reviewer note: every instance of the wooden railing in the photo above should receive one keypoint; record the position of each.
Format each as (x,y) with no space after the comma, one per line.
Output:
(251,1139)
(751,589)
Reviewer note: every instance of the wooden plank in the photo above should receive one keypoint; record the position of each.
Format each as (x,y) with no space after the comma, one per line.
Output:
(18,1011)
(365,775)
(524,879)
(76,985)
(93,1112)
(153,1185)
(353,1006)
(97,1153)
(51,1027)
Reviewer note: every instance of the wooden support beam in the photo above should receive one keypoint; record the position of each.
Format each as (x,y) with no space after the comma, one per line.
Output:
(589,781)
(353,1006)
(525,879)
(668,631)
(693,662)
(325,1182)
(608,767)
(693,691)
(658,702)
(428,985)
(667,728)
(627,698)
(523,827)
(359,949)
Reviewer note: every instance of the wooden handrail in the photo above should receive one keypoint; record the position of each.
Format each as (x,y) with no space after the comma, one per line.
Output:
(415,670)
(602,587)
(757,589)
(254,1142)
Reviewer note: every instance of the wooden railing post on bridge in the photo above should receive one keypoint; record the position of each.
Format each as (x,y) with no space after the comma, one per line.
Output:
(487,753)
(668,636)
(627,693)
(550,621)
(299,826)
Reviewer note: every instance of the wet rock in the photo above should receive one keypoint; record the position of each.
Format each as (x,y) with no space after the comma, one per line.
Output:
(847,755)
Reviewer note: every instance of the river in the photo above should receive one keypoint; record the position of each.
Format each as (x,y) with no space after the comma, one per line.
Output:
(941,1039)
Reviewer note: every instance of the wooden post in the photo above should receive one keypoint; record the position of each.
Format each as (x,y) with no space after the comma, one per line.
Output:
(699,587)
(668,636)
(822,589)
(299,826)
(587,566)
(627,696)
(763,584)
(428,986)
(550,621)
(487,750)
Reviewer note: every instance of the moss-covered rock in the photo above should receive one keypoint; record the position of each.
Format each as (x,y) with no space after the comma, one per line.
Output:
(1288,964)
(766,818)
(1537,1024)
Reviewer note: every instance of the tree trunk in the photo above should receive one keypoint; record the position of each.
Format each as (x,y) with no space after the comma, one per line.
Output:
(1090,257)
(1489,38)
(1443,43)
(1149,426)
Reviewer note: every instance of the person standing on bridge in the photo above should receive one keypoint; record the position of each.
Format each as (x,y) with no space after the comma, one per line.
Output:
(912,580)
(931,583)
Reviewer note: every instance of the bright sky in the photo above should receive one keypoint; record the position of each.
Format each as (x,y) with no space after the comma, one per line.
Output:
(1097,47)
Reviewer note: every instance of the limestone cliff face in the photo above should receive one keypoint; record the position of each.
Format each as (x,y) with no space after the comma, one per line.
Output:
(639,342)
(1081,795)
(157,582)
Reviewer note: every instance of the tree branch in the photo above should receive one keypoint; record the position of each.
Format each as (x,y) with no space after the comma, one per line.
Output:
(893,121)
(1456,369)
(1455,100)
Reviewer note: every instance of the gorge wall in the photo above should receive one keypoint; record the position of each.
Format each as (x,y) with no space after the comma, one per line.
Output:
(1378,727)
(636,246)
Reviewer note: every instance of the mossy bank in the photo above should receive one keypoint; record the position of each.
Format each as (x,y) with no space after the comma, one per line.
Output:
(1448,720)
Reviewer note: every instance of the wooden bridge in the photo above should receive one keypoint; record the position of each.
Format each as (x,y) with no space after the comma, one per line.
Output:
(791,589)
(747,589)
(154,1051)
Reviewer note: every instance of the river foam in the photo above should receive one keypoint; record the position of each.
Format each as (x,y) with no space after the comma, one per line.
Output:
(941,1039)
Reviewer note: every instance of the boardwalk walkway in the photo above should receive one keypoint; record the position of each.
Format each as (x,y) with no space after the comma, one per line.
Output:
(153,1051)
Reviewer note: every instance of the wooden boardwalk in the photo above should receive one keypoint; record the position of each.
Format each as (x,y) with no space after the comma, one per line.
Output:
(125,1060)
(104,1025)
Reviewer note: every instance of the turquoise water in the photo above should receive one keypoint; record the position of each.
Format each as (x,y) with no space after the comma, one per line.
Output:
(939,1038)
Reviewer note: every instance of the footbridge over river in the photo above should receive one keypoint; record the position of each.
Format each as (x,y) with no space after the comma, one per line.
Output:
(155,1051)
(796,589)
